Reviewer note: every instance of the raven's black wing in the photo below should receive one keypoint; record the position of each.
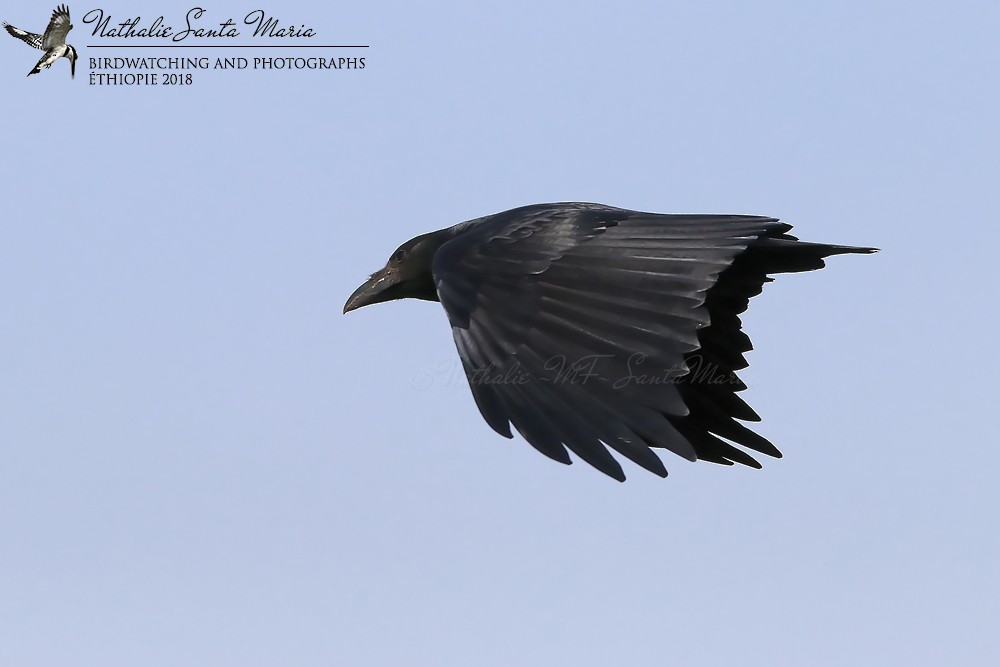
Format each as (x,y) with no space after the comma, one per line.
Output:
(29,38)
(586,325)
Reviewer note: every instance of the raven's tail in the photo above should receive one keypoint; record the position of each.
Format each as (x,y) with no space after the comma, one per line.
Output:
(783,253)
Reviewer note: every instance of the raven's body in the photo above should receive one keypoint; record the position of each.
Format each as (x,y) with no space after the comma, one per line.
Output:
(588,326)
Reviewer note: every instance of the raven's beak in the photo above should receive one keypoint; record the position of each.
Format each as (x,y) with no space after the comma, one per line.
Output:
(375,290)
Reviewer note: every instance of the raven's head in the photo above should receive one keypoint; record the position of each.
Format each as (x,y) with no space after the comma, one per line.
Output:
(407,274)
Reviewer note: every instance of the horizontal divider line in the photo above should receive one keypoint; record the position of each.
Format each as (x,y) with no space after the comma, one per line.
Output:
(228,46)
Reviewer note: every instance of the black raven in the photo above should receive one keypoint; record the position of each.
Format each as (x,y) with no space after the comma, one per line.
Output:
(588,326)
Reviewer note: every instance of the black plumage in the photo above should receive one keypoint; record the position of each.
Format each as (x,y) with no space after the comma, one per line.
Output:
(590,327)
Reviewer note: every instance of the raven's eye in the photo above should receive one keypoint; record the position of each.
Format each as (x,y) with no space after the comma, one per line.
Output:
(398,256)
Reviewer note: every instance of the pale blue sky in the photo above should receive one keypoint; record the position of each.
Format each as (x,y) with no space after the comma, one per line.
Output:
(202,462)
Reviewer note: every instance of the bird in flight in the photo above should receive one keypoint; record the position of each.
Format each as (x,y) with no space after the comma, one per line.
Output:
(53,41)
(589,327)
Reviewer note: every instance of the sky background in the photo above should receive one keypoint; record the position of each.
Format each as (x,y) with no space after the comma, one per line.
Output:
(202,462)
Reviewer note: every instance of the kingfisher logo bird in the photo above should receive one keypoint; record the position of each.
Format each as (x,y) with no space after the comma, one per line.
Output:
(53,41)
